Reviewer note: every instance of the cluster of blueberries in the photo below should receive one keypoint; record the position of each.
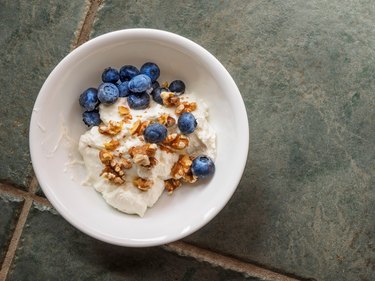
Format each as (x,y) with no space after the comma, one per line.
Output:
(137,86)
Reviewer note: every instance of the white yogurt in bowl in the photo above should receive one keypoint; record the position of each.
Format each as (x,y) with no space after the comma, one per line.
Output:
(125,196)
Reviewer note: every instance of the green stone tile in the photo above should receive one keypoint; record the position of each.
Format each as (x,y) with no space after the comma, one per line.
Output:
(51,249)
(40,192)
(34,36)
(9,209)
(306,71)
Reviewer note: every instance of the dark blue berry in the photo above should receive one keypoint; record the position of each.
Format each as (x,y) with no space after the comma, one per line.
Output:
(155,85)
(108,93)
(156,94)
(178,87)
(91,118)
(123,89)
(127,72)
(139,83)
(187,123)
(151,70)
(203,167)
(155,133)
(110,75)
(139,100)
(89,99)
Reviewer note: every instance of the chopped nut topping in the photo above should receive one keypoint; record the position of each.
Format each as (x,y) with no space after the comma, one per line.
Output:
(186,107)
(138,127)
(142,184)
(176,141)
(171,184)
(112,129)
(123,110)
(112,176)
(143,155)
(125,113)
(166,149)
(112,144)
(181,169)
(114,166)
(170,99)
(148,149)
(119,164)
(105,156)
(166,120)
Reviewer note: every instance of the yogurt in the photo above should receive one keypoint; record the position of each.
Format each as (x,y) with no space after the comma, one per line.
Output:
(127,197)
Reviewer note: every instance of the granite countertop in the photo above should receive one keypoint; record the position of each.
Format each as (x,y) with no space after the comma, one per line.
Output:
(304,208)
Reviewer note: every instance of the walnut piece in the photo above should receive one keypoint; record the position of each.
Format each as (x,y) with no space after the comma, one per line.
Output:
(185,107)
(138,127)
(142,184)
(114,166)
(166,120)
(170,99)
(112,176)
(181,169)
(176,141)
(143,155)
(171,184)
(125,113)
(113,128)
(105,156)
(112,144)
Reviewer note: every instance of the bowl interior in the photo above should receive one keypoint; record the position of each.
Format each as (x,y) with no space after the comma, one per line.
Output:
(56,126)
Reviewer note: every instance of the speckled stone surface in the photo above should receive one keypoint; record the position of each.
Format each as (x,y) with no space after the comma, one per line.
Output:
(306,71)
(34,36)
(51,249)
(9,211)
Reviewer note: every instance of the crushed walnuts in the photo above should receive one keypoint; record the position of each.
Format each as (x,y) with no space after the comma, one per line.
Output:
(171,184)
(181,169)
(185,107)
(166,120)
(113,128)
(124,113)
(176,141)
(170,99)
(138,127)
(114,166)
(112,144)
(142,184)
(144,155)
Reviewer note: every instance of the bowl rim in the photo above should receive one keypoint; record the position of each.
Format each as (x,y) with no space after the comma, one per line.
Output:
(141,33)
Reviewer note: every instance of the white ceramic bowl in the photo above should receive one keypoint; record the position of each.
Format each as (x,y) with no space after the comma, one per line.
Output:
(56,126)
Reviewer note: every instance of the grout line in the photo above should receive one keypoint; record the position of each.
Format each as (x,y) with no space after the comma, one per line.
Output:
(15,239)
(33,187)
(215,259)
(87,23)
(5,188)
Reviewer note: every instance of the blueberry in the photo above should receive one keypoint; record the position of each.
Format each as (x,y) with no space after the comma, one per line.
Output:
(178,87)
(156,94)
(155,85)
(139,83)
(110,75)
(108,93)
(89,99)
(203,167)
(155,133)
(187,123)
(127,72)
(139,100)
(123,89)
(91,118)
(151,70)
